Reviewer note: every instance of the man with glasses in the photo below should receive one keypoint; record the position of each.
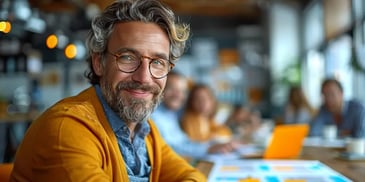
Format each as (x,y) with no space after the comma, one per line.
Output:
(104,134)
(347,116)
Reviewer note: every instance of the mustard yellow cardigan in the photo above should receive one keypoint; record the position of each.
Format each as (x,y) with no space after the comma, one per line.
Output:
(73,141)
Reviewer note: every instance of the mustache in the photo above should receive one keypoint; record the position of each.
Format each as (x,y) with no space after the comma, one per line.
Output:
(135,85)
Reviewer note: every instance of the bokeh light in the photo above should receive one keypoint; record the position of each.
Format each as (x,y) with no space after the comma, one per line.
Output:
(71,51)
(5,26)
(52,41)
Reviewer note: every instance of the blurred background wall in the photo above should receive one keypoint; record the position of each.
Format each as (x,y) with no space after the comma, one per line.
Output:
(248,51)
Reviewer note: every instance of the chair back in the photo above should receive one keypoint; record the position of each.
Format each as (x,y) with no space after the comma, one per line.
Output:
(5,171)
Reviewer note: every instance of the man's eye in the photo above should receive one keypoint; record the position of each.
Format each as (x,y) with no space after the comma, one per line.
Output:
(159,62)
(127,58)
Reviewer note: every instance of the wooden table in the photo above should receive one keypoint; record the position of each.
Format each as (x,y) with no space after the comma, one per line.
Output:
(355,170)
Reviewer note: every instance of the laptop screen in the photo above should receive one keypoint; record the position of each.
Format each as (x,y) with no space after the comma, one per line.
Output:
(286,141)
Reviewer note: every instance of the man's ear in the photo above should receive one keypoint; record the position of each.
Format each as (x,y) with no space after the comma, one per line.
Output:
(97,63)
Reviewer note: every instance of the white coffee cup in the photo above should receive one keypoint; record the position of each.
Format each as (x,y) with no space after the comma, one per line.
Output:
(330,132)
(356,146)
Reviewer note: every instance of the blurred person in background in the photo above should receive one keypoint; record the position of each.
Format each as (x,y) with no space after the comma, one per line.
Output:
(244,123)
(237,116)
(167,119)
(298,110)
(103,133)
(348,116)
(198,119)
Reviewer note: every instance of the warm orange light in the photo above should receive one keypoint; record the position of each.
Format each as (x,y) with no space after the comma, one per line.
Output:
(70,51)
(2,26)
(52,41)
(5,26)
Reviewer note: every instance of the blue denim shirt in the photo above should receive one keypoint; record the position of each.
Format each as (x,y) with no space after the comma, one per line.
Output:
(134,153)
(353,120)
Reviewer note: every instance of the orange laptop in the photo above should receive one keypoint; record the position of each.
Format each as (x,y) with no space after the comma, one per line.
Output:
(286,142)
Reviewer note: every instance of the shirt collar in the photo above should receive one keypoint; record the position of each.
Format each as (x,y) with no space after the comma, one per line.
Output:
(115,121)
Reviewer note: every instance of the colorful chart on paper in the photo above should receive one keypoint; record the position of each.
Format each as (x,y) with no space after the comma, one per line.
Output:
(273,171)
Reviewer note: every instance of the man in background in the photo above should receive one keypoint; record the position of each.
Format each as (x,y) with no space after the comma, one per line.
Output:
(167,119)
(348,116)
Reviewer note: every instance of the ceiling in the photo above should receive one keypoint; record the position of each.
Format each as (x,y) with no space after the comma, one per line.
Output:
(191,7)
(247,9)
(208,18)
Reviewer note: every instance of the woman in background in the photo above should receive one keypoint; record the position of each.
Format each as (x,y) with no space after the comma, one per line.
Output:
(298,109)
(198,119)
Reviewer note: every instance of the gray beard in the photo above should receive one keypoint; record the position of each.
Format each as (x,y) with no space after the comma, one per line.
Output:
(131,110)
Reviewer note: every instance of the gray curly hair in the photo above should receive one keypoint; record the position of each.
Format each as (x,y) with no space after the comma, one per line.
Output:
(149,11)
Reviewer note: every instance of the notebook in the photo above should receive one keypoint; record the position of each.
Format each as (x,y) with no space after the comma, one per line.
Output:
(286,142)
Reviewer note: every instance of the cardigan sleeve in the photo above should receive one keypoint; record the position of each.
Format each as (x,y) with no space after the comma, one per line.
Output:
(72,153)
(65,145)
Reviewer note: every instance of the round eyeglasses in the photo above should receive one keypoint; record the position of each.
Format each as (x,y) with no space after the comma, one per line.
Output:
(129,61)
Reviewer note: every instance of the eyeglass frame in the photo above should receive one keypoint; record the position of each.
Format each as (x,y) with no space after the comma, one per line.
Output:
(140,58)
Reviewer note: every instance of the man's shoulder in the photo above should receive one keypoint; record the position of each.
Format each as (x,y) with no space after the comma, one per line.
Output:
(84,98)
(80,105)
(354,103)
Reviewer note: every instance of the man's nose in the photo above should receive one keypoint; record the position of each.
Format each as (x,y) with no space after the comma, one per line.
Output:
(142,74)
